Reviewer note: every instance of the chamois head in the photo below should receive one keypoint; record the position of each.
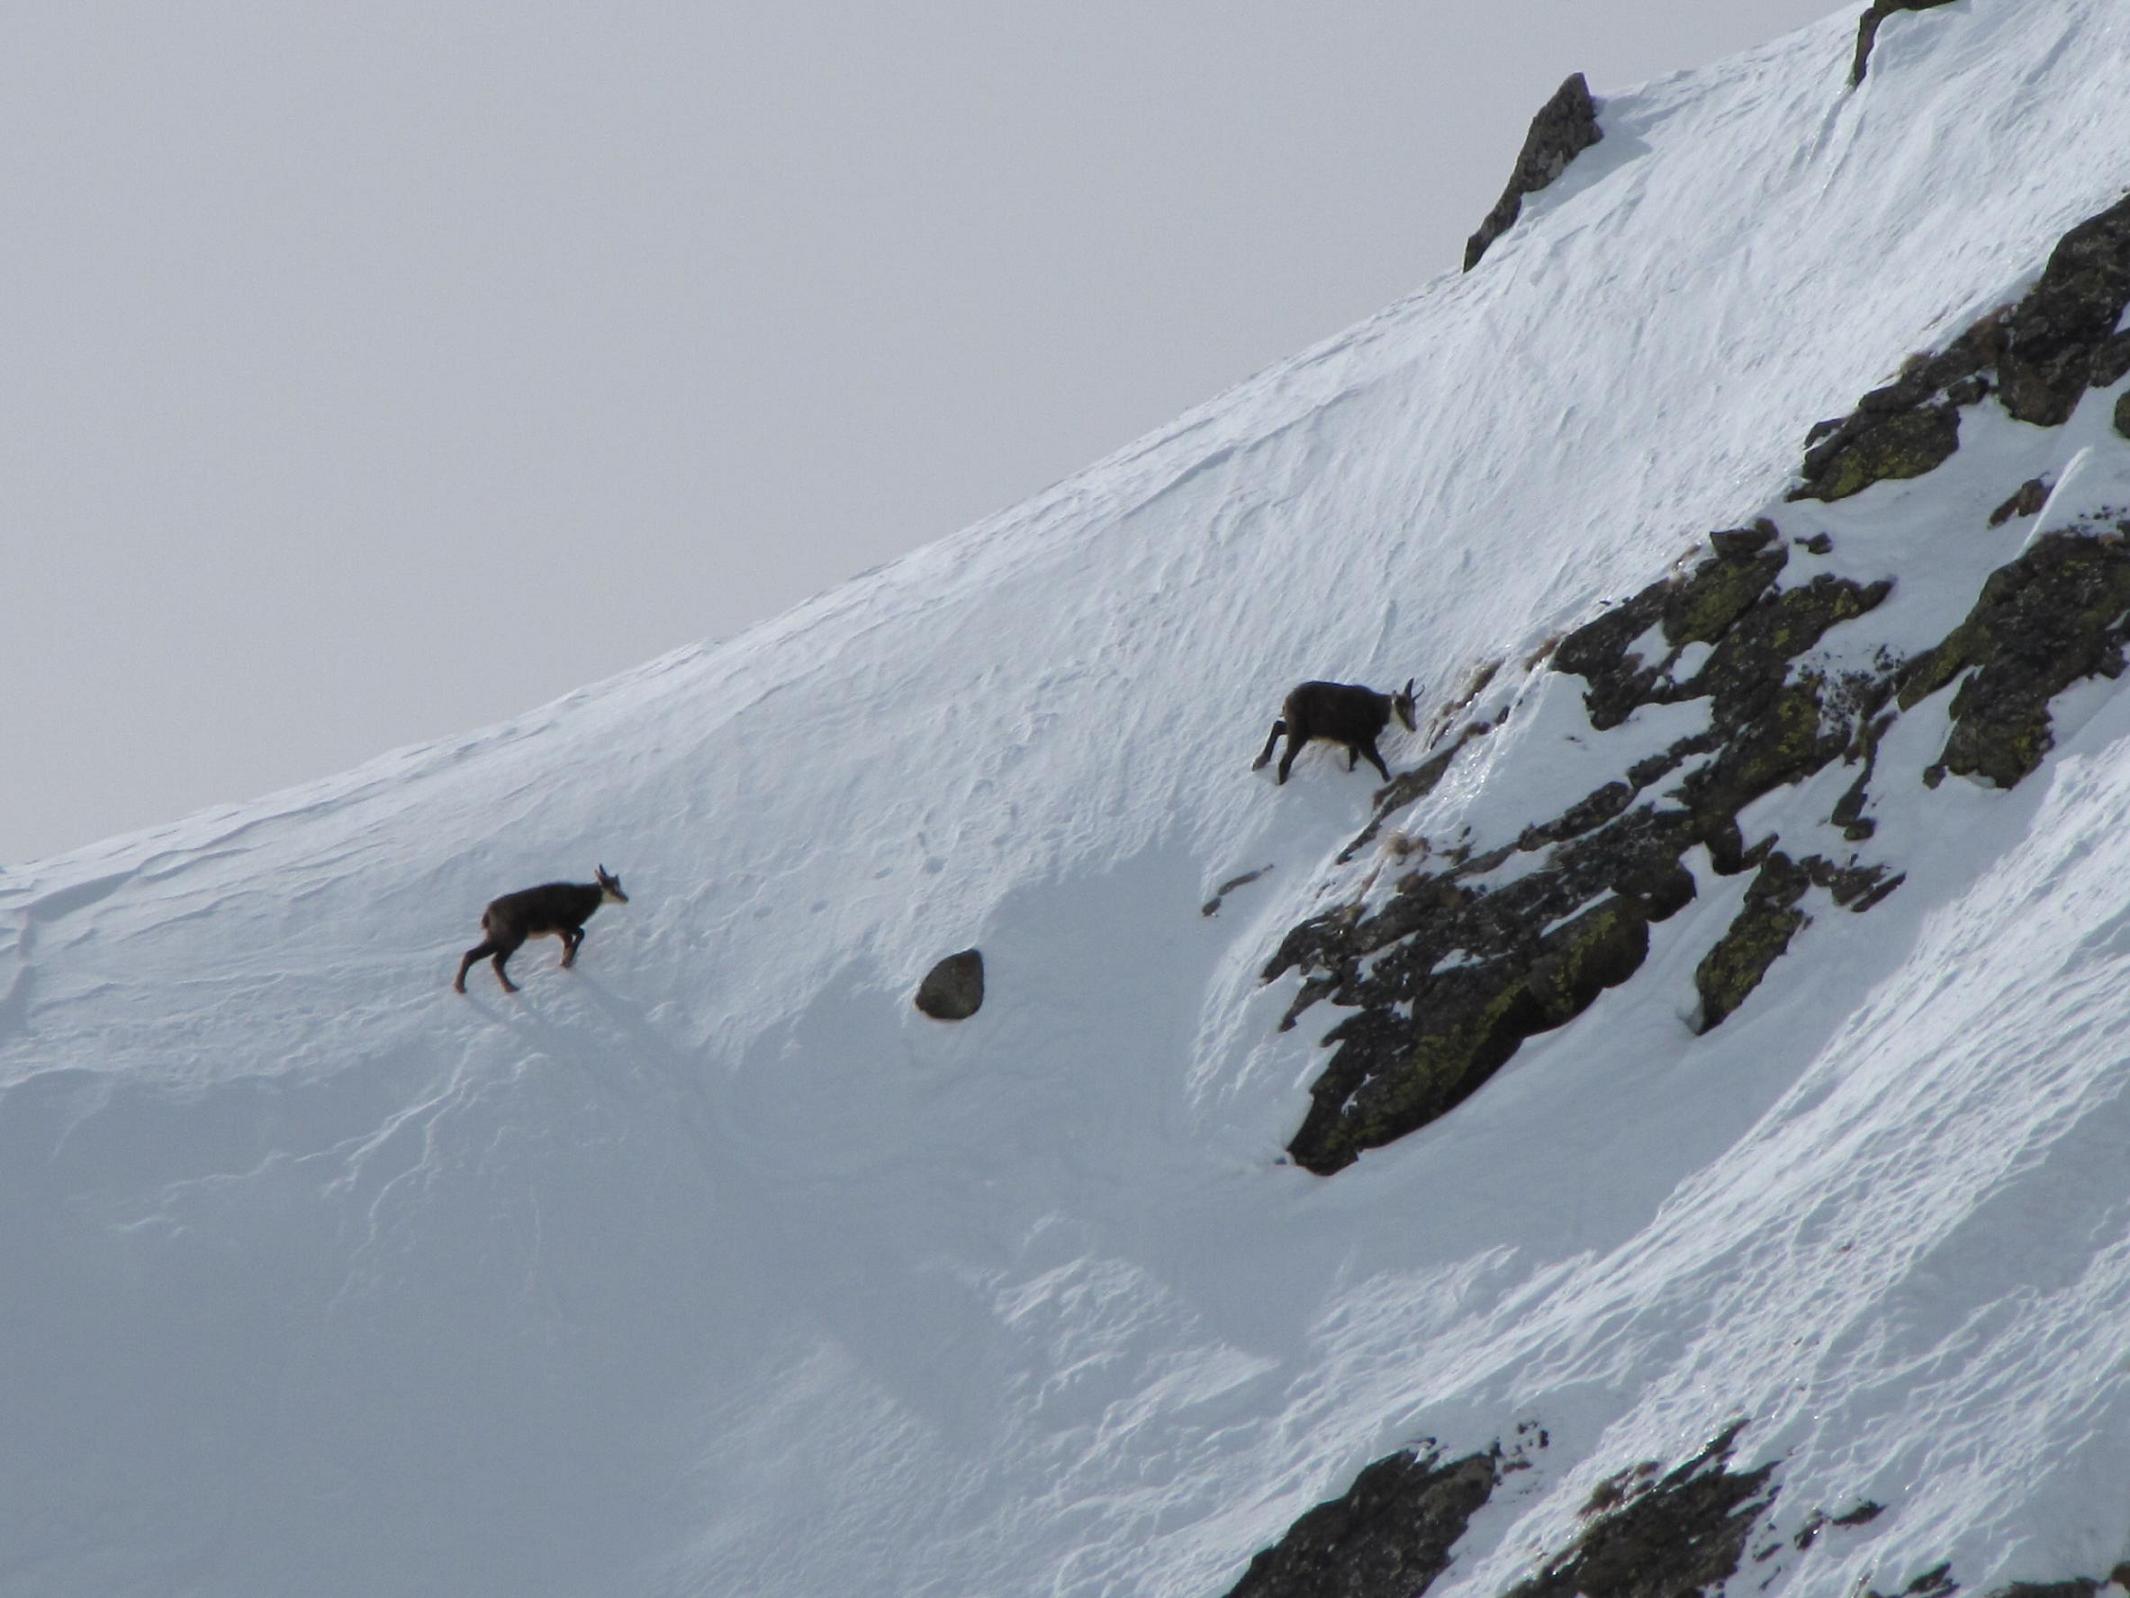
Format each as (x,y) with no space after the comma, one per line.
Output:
(610,885)
(1402,703)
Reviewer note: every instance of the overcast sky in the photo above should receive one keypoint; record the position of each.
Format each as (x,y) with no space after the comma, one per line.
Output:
(372,373)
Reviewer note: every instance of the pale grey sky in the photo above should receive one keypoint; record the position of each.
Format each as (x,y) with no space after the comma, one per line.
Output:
(374,372)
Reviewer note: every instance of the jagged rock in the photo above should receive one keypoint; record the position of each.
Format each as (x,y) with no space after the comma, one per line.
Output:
(953,990)
(1867,29)
(1880,445)
(2030,496)
(1388,1536)
(1647,1538)
(1773,730)
(2043,621)
(1565,126)
(1819,1520)
(1935,1582)
(1476,1017)
(2111,360)
(1428,1030)
(1742,543)
(2055,334)
(2122,415)
(1896,429)
(1598,653)
(1756,939)
(1220,894)
(1701,609)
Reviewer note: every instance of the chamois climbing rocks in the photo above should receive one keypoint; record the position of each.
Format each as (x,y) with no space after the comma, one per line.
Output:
(1343,712)
(552,910)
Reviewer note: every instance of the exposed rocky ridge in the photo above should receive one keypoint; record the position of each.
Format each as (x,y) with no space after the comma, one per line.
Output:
(1534,952)
(1653,1538)
(1565,126)
(1387,1536)
(1644,1535)
(2038,356)
(1449,975)
(1867,29)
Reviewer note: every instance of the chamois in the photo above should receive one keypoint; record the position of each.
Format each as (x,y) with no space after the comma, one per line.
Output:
(1344,712)
(552,910)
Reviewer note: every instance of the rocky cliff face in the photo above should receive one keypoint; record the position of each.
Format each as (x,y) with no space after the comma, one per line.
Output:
(1472,950)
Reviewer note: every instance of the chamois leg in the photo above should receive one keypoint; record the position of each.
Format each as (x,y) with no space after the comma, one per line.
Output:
(1286,761)
(1278,727)
(503,953)
(571,937)
(1370,751)
(479,951)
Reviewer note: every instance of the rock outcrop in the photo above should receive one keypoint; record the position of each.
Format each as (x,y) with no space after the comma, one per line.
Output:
(1475,951)
(1387,1536)
(1867,29)
(1652,1537)
(1565,126)
(1645,1534)
(1452,975)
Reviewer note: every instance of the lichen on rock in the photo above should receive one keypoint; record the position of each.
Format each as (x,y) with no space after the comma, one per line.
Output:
(1755,940)
(1901,444)
(1653,1537)
(2055,614)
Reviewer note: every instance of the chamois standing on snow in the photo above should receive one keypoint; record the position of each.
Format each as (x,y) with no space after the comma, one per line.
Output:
(1345,713)
(552,910)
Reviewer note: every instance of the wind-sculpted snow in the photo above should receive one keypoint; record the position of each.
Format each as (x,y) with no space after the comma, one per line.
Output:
(711,1265)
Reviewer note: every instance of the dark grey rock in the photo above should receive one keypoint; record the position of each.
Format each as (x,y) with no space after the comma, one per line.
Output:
(2052,616)
(2026,500)
(1652,1538)
(1874,445)
(1867,29)
(1743,543)
(953,990)
(2062,335)
(2111,359)
(1565,126)
(1388,1536)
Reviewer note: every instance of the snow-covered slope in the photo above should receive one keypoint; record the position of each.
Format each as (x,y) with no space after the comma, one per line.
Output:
(711,1266)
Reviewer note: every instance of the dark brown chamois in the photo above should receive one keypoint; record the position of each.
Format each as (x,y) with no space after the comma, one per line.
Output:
(552,910)
(1344,712)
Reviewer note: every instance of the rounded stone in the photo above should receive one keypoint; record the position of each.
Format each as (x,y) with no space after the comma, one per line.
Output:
(953,990)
